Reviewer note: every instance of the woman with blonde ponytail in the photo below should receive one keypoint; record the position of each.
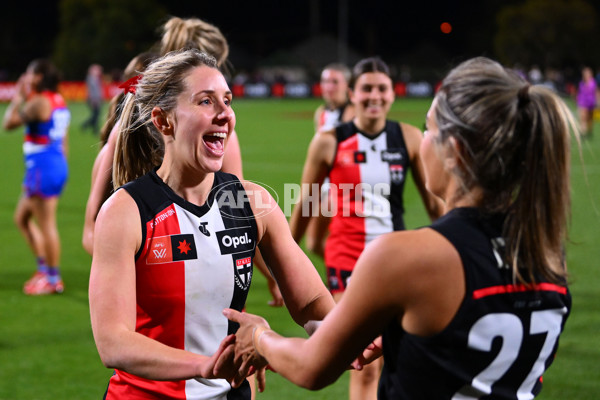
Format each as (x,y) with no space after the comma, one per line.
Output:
(176,243)
(473,305)
(177,33)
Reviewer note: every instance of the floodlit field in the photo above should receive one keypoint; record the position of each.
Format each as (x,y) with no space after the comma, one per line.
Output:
(46,345)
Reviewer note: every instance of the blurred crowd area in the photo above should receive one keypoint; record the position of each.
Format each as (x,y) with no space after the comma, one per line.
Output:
(298,82)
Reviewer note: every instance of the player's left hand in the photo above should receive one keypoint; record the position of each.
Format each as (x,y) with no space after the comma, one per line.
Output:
(246,355)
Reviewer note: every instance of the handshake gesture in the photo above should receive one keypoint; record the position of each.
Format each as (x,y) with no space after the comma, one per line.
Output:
(237,356)
(241,355)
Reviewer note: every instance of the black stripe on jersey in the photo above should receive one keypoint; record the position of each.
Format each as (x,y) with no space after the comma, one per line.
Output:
(397,156)
(140,190)
(240,225)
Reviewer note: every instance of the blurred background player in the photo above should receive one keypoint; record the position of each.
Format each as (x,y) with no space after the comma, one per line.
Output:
(367,161)
(95,97)
(472,306)
(586,101)
(334,82)
(99,193)
(337,109)
(41,109)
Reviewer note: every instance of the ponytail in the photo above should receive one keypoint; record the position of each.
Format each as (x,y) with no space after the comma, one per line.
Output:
(139,145)
(536,224)
(515,147)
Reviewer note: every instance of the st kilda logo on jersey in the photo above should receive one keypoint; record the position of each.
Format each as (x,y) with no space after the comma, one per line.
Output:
(165,249)
(243,272)
(236,240)
(396,173)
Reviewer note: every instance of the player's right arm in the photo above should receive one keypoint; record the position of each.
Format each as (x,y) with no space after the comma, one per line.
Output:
(112,297)
(318,161)
(100,189)
(317,116)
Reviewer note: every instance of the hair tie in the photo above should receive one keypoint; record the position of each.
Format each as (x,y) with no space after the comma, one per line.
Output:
(523,96)
(129,85)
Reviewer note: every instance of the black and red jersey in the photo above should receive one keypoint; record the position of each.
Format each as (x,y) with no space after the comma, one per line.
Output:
(502,338)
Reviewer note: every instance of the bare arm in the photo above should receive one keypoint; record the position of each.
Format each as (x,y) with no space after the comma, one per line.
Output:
(305,295)
(318,161)
(101,187)
(259,262)
(382,289)
(112,296)
(21,111)
(413,137)
(317,116)
(12,116)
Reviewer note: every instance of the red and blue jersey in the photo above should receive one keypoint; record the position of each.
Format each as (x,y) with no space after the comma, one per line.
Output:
(41,136)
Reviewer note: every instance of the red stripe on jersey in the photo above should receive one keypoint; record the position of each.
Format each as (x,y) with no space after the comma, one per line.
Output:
(56,100)
(37,139)
(502,289)
(321,119)
(347,230)
(160,298)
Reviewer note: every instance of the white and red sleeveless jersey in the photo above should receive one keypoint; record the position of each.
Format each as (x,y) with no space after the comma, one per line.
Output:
(330,118)
(367,180)
(195,261)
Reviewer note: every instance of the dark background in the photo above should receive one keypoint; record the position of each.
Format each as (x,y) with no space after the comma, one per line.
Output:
(308,33)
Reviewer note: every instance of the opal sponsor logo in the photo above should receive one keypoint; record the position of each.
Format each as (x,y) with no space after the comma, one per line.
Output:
(235,240)
(391,156)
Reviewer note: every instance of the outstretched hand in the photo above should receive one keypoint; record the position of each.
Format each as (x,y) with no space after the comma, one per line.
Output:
(246,356)
(221,364)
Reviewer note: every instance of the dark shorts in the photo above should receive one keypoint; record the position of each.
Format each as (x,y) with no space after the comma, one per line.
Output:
(337,279)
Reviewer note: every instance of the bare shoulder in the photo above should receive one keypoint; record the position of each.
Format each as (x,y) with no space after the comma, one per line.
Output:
(264,207)
(412,261)
(37,108)
(118,230)
(412,137)
(120,209)
(258,195)
(323,144)
(423,248)
(325,136)
(411,132)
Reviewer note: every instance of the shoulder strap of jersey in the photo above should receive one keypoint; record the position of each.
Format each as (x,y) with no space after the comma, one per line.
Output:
(395,136)
(345,130)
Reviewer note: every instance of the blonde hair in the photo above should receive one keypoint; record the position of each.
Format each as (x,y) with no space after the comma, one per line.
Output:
(514,144)
(193,33)
(140,146)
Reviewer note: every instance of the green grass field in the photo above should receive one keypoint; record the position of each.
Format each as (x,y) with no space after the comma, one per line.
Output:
(46,345)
